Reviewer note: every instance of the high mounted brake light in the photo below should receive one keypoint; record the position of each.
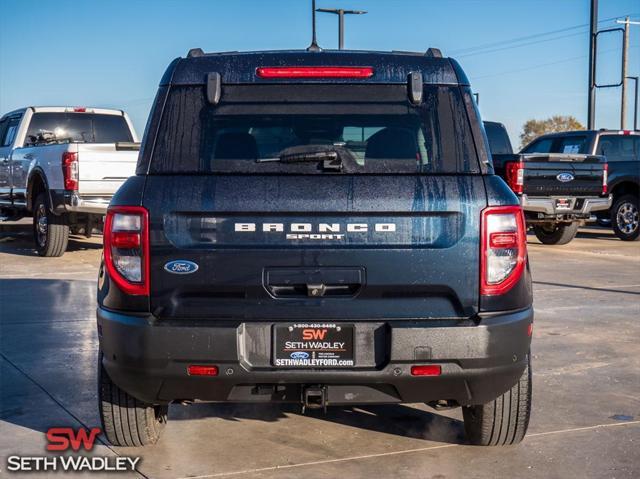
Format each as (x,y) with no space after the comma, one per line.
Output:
(126,248)
(503,252)
(314,72)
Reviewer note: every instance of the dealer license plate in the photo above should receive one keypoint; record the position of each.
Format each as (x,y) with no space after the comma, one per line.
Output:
(313,345)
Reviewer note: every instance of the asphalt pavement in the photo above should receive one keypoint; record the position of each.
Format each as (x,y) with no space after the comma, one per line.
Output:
(586,384)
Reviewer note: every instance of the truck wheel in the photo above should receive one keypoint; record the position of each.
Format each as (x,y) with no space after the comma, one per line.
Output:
(625,218)
(503,421)
(125,420)
(555,233)
(50,232)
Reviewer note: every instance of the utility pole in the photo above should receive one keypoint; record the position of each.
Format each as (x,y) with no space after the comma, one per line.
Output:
(341,13)
(625,62)
(593,31)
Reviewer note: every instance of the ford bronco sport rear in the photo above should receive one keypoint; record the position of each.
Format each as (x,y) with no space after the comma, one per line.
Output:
(317,228)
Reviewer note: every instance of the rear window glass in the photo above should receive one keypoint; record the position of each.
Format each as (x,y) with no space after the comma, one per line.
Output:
(77,128)
(499,142)
(540,146)
(313,137)
(619,148)
(574,144)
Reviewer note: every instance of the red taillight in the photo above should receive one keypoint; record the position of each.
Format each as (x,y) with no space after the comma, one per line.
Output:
(515,175)
(121,239)
(70,170)
(605,178)
(197,370)
(530,330)
(314,72)
(426,370)
(503,248)
(126,248)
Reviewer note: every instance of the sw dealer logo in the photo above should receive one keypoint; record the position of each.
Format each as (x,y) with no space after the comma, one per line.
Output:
(311,334)
(64,439)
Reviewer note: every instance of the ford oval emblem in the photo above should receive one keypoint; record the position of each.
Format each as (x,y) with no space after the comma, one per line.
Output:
(565,177)
(299,355)
(181,266)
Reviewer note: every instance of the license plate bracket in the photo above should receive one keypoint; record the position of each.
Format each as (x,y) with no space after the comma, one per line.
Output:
(313,345)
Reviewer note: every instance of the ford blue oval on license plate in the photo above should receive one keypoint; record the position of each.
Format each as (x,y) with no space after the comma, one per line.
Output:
(181,266)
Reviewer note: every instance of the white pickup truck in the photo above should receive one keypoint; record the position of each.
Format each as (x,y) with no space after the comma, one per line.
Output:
(62,165)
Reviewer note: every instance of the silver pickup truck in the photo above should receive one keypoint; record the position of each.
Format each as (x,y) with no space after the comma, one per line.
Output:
(62,165)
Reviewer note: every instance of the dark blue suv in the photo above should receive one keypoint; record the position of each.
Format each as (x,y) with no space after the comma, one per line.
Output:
(322,228)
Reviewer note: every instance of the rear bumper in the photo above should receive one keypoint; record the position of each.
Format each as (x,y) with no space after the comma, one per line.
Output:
(148,358)
(72,202)
(579,206)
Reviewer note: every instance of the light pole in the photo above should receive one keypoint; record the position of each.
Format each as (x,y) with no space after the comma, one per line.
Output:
(341,13)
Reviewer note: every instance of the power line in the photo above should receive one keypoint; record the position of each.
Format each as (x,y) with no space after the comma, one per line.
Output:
(504,43)
(533,67)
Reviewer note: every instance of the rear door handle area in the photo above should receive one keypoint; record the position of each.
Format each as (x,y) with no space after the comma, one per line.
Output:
(289,283)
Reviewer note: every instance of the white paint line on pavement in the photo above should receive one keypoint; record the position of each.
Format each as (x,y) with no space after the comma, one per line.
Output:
(604,287)
(396,453)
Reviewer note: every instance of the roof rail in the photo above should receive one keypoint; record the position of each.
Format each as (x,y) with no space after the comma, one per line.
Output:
(195,52)
(433,53)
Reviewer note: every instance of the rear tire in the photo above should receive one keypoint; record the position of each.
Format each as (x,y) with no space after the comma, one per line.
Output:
(557,234)
(625,218)
(503,421)
(50,232)
(125,420)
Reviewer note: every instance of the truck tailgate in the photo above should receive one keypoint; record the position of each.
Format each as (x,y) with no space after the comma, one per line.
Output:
(563,174)
(103,168)
(375,246)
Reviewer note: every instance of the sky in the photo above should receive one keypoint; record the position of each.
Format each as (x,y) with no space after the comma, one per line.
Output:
(526,58)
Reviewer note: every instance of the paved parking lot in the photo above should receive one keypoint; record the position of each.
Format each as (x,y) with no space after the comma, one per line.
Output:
(586,363)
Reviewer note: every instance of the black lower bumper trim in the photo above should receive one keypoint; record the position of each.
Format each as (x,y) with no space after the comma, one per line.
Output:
(148,358)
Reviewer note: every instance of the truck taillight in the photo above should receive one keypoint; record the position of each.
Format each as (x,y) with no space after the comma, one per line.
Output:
(515,176)
(503,248)
(605,178)
(126,248)
(70,170)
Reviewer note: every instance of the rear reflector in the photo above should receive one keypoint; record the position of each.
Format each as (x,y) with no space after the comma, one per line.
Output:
(314,72)
(195,370)
(426,370)
(530,330)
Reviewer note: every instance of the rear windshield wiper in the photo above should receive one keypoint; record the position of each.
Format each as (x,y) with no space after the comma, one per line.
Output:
(328,155)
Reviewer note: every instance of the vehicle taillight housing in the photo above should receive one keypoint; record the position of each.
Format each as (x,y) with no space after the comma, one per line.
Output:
(70,170)
(503,252)
(126,248)
(314,72)
(605,178)
(515,176)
